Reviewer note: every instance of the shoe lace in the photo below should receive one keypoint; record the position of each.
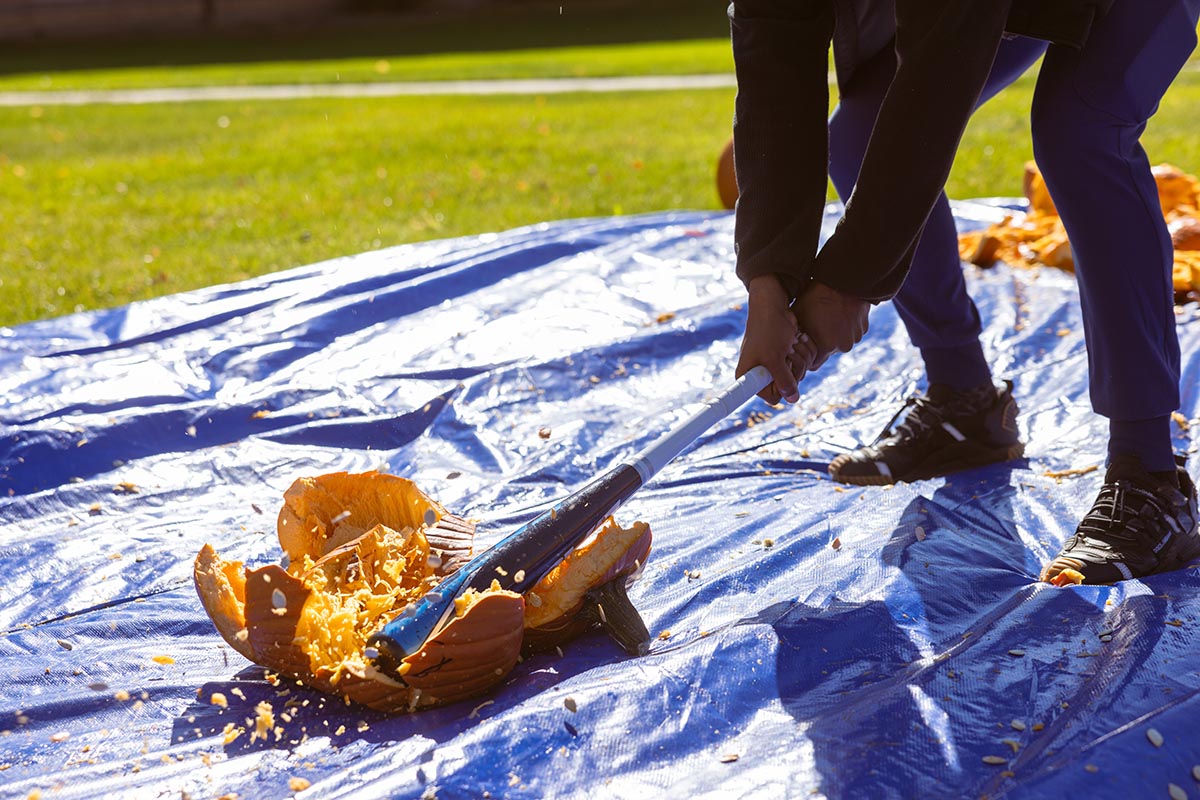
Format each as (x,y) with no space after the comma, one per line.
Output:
(921,415)
(1122,512)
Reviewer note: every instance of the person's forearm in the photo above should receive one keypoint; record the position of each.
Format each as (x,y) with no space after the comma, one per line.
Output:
(945,52)
(781,140)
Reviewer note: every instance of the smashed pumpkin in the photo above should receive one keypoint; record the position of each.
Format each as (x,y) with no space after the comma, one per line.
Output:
(1038,238)
(359,548)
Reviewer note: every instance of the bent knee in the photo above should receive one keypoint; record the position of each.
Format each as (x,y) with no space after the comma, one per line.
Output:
(1071,137)
(1059,129)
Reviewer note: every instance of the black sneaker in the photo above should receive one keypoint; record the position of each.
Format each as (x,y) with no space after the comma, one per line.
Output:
(1141,523)
(942,432)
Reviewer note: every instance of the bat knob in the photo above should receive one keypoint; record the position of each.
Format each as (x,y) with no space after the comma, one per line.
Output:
(407,633)
(383,653)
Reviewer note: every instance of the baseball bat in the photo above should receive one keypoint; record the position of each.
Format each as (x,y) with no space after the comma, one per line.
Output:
(524,557)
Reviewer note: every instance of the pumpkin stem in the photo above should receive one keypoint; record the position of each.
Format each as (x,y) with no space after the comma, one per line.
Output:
(618,616)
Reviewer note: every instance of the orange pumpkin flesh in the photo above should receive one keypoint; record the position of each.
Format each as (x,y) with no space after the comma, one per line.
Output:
(599,558)
(571,599)
(324,512)
(362,547)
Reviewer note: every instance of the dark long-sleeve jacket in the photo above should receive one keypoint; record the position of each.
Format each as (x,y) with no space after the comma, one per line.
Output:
(945,50)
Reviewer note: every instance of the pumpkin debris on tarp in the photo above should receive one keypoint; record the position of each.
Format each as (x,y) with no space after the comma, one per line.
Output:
(1037,237)
(359,548)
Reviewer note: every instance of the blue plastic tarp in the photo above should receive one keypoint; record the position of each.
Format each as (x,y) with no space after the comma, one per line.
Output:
(810,639)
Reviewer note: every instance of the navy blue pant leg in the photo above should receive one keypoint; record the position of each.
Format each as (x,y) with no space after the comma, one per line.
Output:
(939,315)
(1089,111)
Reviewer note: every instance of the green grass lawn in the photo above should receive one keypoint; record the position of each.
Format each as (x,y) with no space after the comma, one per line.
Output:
(103,205)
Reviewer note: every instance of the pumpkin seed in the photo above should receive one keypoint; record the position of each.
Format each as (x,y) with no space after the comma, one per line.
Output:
(1017,653)
(1196,772)
(1017,725)
(997,760)
(1176,792)
(1155,737)
(920,532)
(475,711)
(570,704)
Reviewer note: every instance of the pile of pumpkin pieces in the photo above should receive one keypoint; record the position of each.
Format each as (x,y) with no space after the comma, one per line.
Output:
(360,548)
(1037,237)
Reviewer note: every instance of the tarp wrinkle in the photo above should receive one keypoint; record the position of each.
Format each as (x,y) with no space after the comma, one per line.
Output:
(808,639)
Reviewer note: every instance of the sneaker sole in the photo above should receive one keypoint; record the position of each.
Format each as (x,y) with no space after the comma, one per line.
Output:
(969,460)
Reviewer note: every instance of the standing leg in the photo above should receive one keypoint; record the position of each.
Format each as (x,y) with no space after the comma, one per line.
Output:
(1089,112)
(1090,109)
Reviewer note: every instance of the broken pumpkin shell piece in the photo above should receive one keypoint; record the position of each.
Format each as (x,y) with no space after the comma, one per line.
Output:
(588,589)
(362,547)
(322,513)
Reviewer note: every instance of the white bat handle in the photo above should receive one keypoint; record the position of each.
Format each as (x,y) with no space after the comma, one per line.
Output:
(655,457)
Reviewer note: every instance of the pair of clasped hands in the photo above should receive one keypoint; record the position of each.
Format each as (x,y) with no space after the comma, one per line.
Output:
(789,339)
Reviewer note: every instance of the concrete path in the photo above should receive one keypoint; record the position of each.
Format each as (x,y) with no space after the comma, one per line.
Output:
(638,83)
